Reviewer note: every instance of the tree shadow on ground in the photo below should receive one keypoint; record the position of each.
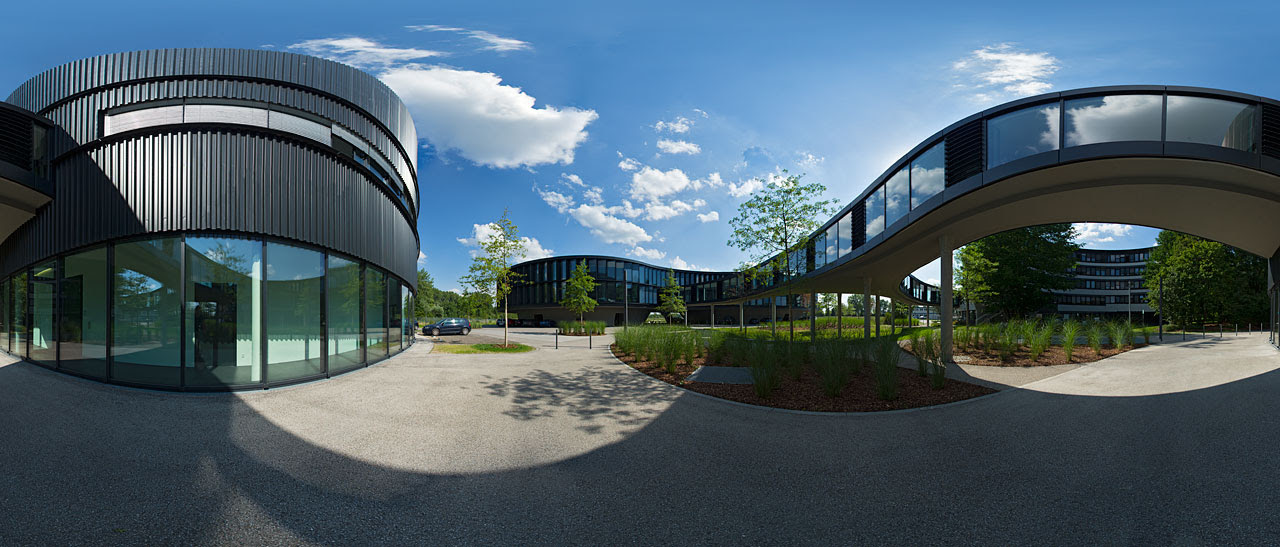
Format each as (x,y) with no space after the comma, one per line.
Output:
(594,395)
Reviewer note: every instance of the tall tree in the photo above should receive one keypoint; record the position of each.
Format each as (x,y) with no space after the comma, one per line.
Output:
(491,268)
(774,226)
(971,274)
(427,301)
(577,291)
(1012,272)
(1204,281)
(670,300)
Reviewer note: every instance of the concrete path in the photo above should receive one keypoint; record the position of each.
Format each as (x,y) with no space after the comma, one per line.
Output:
(1170,444)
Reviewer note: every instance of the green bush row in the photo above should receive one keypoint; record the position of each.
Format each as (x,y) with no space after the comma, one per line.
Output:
(582,328)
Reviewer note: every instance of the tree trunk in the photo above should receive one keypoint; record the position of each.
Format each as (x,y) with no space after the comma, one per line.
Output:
(506,322)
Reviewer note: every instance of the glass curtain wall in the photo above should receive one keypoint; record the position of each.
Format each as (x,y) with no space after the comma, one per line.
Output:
(44,279)
(375,313)
(394,326)
(345,348)
(294,308)
(6,314)
(20,323)
(224,320)
(407,324)
(145,332)
(86,289)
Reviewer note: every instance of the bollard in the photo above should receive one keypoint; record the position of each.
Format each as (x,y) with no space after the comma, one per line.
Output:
(589,341)
(1219,330)
(557,339)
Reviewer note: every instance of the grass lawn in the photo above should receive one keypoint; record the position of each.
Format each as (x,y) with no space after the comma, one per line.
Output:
(481,348)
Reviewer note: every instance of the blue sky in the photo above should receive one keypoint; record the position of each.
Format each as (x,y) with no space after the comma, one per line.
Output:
(636,130)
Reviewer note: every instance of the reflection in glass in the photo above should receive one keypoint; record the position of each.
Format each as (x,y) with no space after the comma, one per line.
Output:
(928,174)
(85,292)
(1022,133)
(144,332)
(1210,121)
(375,313)
(407,321)
(43,288)
(897,197)
(224,287)
(345,351)
(833,242)
(6,315)
(1113,118)
(820,250)
(875,213)
(20,314)
(393,323)
(846,234)
(295,286)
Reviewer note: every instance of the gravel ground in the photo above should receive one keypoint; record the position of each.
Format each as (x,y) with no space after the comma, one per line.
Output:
(1163,445)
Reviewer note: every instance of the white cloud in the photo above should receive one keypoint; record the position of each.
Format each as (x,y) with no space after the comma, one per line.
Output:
(574,179)
(561,202)
(702,112)
(608,228)
(659,211)
(1100,232)
(810,161)
(714,181)
(745,188)
(651,254)
(594,195)
(668,146)
(422,257)
(626,210)
(533,249)
(493,42)
(679,125)
(680,264)
(652,184)
(1003,69)
(628,164)
(487,122)
(709,217)
(361,52)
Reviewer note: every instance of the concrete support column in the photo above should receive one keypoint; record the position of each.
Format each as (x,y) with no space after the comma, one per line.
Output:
(713,316)
(742,316)
(944,252)
(813,317)
(773,325)
(839,314)
(892,324)
(866,309)
(879,314)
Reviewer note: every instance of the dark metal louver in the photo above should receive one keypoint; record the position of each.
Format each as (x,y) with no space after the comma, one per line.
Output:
(1270,133)
(859,217)
(15,139)
(964,152)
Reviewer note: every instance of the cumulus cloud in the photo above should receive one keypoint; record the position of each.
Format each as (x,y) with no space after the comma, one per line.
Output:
(485,121)
(680,264)
(660,211)
(651,254)
(652,184)
(492,41)
(1001,69)
(1100,232)
(608,228)
(745,188)
(480,233)
(422,257)
(668,146)
(594,195)
(627,164)
(809,161)
(573,179)
(709,217)
(679,125)
(561,202)
(361,52)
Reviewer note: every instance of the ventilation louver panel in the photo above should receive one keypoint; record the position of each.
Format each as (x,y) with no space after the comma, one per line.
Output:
(15,139)
(859,218)
(1270,130)
(964,152)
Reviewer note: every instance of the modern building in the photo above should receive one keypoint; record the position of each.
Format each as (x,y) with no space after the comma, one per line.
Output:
(206,219)
(1108,285)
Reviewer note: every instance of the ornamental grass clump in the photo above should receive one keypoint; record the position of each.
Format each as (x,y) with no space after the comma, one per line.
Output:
(831,358)
(932,346)
(1007,343)
(765,373)
(1093,335)
(918,351)
(1119,332)
(885,362)
(1070,330)
(1041,337)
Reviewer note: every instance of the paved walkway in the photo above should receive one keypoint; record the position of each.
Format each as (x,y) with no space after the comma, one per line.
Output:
(1170,444)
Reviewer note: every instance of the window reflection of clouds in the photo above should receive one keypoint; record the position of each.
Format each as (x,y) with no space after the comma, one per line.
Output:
(1022,133)
(875,213)
(897,196)
(928,174)
(1113,118)
(1210,121)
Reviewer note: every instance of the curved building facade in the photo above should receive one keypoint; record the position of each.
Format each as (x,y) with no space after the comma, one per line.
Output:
(219,219)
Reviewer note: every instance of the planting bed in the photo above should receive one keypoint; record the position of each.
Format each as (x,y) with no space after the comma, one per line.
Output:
(1052,356)
(859,395)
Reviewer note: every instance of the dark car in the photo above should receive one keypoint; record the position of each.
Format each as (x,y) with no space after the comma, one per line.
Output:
(509,323)
(448,325)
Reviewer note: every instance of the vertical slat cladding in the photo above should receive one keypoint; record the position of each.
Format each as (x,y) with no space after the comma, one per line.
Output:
(1270,132)
(859,224)
(964,152)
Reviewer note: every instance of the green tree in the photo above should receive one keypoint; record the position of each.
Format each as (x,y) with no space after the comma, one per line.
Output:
(427,301)
(971,272)
(670,300)
(774,226)
(1013,272)
(577,291)
(491,268)
(1204,281)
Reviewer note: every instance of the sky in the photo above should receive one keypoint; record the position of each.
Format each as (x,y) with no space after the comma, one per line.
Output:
(637,129)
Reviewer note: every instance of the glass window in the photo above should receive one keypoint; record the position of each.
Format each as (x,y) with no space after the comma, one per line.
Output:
(833,242)
(1211,121)
(393,306)
(407,321)
(44,281)
(1113,118)
(875,213)
(20,314)
(1022,133)
(820,250)
(6,314)
(928,174)
(224,318)
(147,307)
(295,288)
(897,196)
(85,292)
(375,313)
(345,351)
(846,234)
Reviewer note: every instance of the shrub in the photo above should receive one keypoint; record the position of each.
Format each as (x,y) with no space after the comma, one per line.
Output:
(885,354)
(1070,330)
(1120,332)
(1093,335)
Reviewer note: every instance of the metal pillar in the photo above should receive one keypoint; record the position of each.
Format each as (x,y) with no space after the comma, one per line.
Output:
(773,325)
(839,314)
(742,316)
(866,309)
(944,342)
(879,316)
(813,317)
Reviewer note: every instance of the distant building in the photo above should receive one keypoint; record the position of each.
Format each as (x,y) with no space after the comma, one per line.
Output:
(1108,284)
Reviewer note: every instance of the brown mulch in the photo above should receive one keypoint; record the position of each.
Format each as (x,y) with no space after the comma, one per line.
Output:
(806,393)
(1052,356)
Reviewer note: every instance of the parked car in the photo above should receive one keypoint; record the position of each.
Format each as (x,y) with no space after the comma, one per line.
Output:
(546,323)
(448,325)
(509,323)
